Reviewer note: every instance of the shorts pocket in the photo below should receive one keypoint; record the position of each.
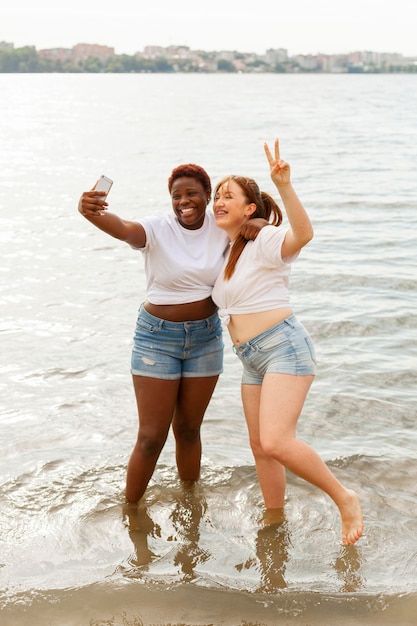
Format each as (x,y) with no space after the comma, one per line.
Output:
(311,348)
(272,341)
(148,327)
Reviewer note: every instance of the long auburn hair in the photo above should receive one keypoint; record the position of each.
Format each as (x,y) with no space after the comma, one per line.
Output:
(266,207)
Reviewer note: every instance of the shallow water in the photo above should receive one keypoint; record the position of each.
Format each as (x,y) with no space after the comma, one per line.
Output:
(70,552)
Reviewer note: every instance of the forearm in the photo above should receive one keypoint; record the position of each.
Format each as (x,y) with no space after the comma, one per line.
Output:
(300,223)
(110,223)
(93,206)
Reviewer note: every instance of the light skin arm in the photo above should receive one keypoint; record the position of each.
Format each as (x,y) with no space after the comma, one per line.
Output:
(93,206)
(300,231)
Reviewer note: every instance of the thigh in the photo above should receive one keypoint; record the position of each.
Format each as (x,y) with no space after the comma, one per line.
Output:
(156,400)
(194,394)
(281,403)
(251,396)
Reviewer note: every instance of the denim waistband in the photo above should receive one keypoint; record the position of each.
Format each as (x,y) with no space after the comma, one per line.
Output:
(288,321)
(207,322)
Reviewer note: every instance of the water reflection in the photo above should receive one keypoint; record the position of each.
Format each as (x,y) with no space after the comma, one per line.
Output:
(141,530)
(272,544)
(177,538)
(173,541)
(186,518)
(348,566)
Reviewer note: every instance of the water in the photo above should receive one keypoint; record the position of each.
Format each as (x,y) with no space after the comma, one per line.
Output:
(69,553)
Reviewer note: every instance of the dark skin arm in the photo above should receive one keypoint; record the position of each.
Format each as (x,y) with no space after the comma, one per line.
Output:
(252,227)
(93,206)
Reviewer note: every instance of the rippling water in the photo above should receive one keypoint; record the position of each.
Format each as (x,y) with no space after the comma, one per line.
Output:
(70,553)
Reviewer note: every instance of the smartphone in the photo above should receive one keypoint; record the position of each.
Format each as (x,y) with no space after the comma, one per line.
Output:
(103,184)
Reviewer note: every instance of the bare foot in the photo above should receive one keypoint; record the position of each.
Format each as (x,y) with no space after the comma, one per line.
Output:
(352,521)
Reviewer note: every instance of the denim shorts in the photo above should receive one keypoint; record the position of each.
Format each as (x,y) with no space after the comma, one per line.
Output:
(172,350)
(285,348)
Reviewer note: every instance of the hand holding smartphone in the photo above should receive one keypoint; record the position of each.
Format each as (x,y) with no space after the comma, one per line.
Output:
(103,184)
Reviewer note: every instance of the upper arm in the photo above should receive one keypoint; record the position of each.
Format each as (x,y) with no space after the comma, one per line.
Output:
(294,242)
(135,234)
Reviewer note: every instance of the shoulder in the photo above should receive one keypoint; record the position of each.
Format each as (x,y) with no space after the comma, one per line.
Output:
(158,219)
(211,220)
(268,244)
(158,222)
(272,235)
(215,232)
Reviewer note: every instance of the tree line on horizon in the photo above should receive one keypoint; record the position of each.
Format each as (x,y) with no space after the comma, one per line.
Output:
(27,60)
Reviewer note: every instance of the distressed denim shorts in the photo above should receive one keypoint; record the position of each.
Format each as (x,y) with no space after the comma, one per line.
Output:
(172,350)
(285,348)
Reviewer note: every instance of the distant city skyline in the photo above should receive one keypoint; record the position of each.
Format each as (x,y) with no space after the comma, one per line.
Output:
(303,27)
(102,49)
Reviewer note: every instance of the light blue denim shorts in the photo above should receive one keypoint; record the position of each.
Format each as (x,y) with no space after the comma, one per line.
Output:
(285,348)
(172,350)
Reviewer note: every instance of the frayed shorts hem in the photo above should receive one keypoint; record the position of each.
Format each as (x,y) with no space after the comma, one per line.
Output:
(176,376)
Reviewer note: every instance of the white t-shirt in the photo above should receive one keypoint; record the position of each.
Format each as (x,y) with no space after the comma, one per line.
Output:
(181,265)
(260,281)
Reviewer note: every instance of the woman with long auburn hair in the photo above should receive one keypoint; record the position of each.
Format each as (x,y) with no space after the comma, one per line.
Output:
(278,357)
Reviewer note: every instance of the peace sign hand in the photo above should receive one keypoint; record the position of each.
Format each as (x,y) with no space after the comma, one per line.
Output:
(280,170)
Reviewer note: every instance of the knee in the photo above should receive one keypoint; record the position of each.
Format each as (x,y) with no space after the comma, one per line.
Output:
(149,445)
(257,449)
(186,434)
(276,450)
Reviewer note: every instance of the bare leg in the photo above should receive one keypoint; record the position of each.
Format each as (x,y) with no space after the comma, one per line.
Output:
(193,397)
(271,473)
(160,403)
(156,401)
(282,399)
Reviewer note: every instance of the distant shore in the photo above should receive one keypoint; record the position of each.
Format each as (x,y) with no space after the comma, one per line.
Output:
(94,58)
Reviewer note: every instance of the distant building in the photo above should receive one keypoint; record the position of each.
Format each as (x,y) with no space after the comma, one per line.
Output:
(178,52)
(85,50)
(153,52)
(307,61)
(276,56)
(5,45)
(57,54)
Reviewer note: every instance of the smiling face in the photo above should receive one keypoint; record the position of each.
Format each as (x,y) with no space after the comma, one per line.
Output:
(231,207)
(189,201)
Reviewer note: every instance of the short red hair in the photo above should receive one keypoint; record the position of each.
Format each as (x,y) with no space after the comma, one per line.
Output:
(191,170)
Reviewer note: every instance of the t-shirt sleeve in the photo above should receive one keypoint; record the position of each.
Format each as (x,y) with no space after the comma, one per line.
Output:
(150,225)
(270,240)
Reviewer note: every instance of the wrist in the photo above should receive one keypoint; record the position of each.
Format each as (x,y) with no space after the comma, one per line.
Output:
(282,187)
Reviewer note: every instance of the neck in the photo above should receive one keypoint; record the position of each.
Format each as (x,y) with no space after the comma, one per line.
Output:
(232,233)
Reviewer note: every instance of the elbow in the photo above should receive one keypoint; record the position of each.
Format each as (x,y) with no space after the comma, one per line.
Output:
(308,235)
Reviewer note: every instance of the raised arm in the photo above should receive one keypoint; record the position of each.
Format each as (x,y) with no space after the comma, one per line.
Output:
(93,206)
(301,230)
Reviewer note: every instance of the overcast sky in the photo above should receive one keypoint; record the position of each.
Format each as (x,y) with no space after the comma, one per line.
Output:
(300,26)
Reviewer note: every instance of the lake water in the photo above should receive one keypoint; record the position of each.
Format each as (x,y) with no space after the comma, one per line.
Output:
(69,554)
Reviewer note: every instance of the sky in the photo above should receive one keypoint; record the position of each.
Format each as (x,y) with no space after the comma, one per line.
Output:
(300,26)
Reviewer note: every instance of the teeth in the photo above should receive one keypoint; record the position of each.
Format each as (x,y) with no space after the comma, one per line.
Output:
(186,211)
